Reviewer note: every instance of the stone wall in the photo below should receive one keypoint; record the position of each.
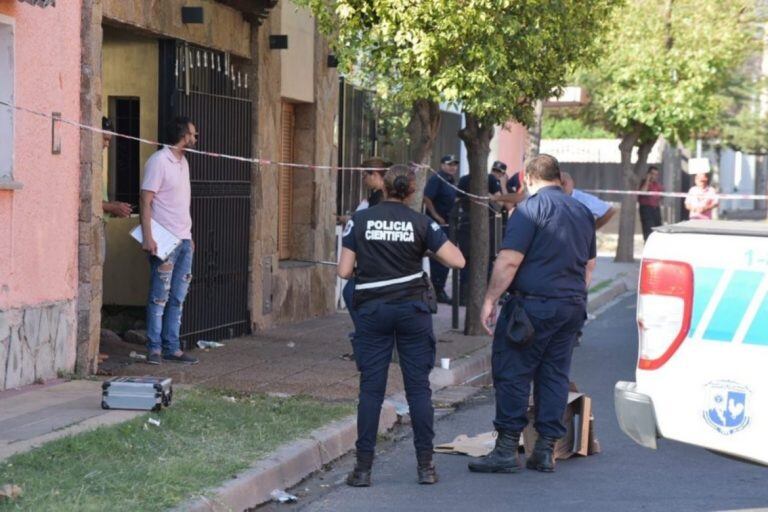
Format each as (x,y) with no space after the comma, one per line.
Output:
(297,290)
(36,343)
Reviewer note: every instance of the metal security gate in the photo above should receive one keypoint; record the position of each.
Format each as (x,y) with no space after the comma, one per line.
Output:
(203,85)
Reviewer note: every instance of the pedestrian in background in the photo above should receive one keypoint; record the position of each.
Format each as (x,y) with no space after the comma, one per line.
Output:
(384,247)
(439,200)
(650,211)
(701,199)
(545,263)
(165,198)
(602,211)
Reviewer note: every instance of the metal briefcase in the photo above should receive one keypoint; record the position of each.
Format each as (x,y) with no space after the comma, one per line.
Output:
(137,393)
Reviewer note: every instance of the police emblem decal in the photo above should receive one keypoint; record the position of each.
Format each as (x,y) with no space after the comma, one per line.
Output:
(348,228)
(726,406)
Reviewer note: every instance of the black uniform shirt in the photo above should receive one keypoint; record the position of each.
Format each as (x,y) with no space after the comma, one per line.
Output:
(513,184)
(441,193)
(556,233)
(389,241)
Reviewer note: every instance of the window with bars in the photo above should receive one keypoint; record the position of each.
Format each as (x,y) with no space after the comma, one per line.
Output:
(285,182)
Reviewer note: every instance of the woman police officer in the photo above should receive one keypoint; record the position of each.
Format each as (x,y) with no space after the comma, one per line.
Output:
(394,303)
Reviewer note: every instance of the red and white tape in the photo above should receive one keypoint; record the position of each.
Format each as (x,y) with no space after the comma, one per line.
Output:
(262,161)
(673,194)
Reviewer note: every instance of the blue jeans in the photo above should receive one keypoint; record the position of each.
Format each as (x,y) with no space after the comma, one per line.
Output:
(168,284)
(381,326)
(546,361)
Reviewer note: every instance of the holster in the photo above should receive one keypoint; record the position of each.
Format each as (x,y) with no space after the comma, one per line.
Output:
(520,331)
(429,295)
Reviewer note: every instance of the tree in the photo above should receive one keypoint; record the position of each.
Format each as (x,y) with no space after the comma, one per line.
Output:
(663,68)
(493,58)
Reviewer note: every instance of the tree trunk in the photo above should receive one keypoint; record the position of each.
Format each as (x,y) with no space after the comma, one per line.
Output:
(534,131)
(632,174)
(477,136)
(422,129)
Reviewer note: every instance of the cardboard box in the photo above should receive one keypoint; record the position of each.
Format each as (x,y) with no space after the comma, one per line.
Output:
(578,423)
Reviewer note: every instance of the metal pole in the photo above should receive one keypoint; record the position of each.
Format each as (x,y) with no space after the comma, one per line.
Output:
(455,281)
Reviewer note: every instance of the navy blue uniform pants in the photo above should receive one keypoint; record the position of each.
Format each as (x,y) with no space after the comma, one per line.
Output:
(347,293)
(438,273)
(546,361)
(379,326)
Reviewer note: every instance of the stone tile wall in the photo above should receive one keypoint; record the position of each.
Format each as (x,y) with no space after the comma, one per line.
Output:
(36,343)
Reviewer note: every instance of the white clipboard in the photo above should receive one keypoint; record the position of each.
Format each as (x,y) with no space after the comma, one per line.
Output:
(165,240)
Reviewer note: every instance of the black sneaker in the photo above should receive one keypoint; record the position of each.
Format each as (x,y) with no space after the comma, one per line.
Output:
(154,358)
(443,297)
(184,358)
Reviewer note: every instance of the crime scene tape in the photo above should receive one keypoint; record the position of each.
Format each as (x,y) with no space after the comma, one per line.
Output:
(478,199)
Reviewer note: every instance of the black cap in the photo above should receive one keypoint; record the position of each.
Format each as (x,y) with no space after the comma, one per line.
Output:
(500,166)
(447,159)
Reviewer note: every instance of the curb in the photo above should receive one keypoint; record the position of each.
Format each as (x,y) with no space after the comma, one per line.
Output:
(288,465)
(606,295)
(294,461)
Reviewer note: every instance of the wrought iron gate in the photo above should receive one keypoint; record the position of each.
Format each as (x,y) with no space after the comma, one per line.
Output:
(202,84)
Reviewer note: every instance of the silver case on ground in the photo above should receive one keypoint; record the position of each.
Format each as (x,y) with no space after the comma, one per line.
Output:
(137,393)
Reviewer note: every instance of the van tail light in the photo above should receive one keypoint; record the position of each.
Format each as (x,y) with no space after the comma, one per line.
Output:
(664,307)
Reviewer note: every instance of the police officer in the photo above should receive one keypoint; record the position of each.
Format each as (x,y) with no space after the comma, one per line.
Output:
(392,296)
(439,199)
(546,263)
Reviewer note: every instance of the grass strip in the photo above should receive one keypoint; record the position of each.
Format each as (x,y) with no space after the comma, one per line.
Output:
(203,439)
(601,285)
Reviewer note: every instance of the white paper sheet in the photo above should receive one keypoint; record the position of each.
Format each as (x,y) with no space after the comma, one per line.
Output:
(165,240)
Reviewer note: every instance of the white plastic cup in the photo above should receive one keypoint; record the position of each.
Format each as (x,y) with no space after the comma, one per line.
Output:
(445,363)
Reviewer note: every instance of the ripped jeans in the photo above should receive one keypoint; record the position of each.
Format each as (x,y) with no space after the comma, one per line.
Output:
(168,284)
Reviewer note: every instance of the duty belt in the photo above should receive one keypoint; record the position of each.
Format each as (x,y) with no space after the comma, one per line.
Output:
(388,282)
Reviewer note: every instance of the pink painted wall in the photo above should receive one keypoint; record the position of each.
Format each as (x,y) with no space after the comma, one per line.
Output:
(512,142)
(38,224)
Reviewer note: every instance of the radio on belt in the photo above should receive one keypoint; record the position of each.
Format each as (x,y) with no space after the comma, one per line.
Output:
(137,393)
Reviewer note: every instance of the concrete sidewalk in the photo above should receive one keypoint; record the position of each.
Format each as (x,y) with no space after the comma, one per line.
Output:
(37,414)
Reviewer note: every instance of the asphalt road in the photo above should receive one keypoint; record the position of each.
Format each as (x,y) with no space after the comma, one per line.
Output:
(623,477)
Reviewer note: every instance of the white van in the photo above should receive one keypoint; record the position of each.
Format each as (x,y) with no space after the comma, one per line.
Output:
(702,316)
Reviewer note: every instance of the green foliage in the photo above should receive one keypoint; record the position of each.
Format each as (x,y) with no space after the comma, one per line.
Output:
(665,64)
(571,128)
(491,57)
(203,439)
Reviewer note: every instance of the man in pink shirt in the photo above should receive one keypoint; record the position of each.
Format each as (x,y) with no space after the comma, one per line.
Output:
(165,198)
(701,199)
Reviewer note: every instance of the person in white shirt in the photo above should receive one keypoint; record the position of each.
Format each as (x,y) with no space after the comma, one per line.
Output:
(701,199)
(601,210)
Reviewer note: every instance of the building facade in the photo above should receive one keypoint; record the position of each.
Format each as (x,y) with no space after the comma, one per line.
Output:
(39,190)
(260,229)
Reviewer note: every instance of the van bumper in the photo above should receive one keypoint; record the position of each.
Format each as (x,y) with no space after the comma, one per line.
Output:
(635,414)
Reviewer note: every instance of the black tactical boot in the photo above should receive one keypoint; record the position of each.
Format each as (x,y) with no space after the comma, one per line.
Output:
(543,458)
(426,468)
(503,458)
(361,475)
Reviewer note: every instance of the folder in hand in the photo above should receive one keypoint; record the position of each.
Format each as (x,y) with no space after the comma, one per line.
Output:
(165,240)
